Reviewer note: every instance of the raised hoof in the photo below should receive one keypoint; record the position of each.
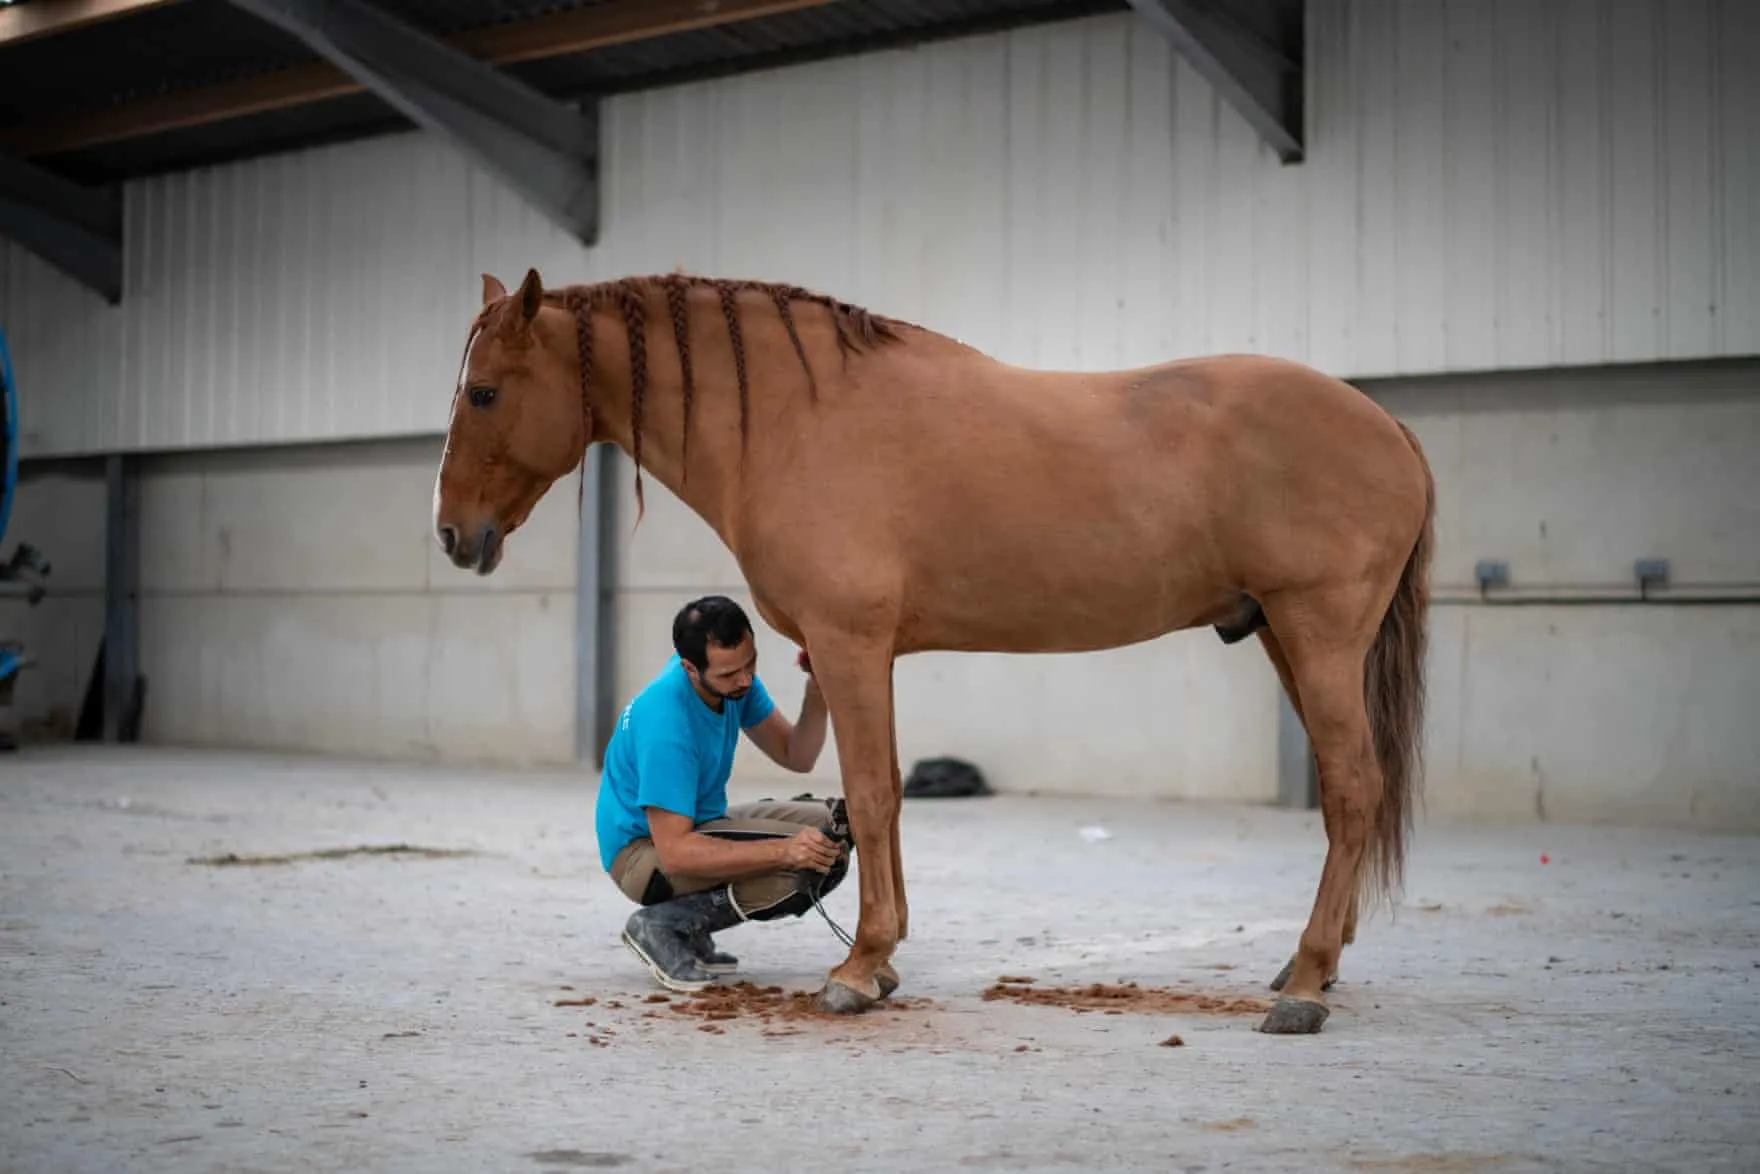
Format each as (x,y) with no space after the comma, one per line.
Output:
(1282,978)
(1294,1017)
(841,999)
(887,980)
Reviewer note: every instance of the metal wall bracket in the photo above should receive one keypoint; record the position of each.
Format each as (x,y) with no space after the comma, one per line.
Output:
(1651,572)
(1491,573)
(76,229)
(545,150)
(1252,51)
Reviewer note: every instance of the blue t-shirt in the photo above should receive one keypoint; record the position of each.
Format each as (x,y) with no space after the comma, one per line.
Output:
(670,750)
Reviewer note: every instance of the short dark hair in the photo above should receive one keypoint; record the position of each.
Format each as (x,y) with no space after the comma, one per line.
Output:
(713,617)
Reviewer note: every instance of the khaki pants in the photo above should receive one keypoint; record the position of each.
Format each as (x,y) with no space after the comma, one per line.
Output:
(763,897)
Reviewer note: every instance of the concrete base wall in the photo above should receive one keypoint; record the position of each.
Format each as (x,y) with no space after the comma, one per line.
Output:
(1620,713)
(59,509)
(295,599)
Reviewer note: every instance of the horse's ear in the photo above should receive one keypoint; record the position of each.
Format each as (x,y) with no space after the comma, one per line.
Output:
(492,288)
(531,294)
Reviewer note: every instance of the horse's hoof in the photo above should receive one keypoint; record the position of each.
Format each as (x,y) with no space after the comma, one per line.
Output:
(1282,978)
(1294,1017)
(842,999)
(887,979)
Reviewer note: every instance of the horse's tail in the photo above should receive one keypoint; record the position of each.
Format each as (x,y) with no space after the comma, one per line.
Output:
(1394,690)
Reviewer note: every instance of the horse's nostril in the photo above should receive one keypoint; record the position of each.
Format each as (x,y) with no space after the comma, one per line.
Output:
(486,552)
(449,538)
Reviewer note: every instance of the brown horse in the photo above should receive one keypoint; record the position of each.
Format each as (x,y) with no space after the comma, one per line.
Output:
(888,490)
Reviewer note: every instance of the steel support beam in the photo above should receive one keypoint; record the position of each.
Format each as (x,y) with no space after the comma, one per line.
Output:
(547,151)
(595,608)
(76,229)
(1251,51)
(590,640)
(554,34)
(122,562)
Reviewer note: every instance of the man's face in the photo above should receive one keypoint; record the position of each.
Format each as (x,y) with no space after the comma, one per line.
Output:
(729,672)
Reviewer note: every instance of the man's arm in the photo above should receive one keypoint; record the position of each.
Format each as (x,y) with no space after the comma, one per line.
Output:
(795,745)
(686,852)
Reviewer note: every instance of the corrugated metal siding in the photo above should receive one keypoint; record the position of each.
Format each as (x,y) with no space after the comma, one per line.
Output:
(1503,184)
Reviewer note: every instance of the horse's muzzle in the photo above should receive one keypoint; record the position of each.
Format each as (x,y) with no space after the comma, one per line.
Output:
(479,552)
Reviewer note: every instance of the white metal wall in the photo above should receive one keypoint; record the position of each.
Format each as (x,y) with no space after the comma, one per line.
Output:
(1491,183)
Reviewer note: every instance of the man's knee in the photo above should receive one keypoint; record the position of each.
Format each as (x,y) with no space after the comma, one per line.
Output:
(800,812)
(781,894)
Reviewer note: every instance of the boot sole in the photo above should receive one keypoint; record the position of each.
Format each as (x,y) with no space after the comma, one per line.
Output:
(683,986)
(719,967)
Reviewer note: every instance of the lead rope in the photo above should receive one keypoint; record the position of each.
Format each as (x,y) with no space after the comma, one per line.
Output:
(842,935)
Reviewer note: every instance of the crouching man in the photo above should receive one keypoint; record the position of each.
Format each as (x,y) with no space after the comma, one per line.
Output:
(666,835)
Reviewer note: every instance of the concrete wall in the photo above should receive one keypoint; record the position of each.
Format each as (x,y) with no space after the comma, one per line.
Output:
(59,509)
(295,599)
(1600,712)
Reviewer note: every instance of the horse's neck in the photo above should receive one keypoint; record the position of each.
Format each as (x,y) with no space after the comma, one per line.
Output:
(707,474)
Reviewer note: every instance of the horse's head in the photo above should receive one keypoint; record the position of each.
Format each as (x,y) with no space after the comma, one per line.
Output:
(518,423)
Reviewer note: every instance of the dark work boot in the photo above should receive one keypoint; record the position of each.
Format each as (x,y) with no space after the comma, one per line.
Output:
(713,910)
(660,936)
(721,913)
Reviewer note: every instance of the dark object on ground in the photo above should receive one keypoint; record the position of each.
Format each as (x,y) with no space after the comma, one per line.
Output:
(944,778)
(397,851)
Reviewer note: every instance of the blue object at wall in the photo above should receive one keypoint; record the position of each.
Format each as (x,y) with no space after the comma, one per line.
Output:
(10,407)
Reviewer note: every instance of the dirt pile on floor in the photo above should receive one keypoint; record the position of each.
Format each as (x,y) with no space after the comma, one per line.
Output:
(770,1005)
(1118,998)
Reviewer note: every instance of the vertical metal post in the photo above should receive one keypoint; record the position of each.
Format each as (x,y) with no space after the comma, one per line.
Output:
(595,598)
(121,593)
(1298,780)
(588,634)
(609,468)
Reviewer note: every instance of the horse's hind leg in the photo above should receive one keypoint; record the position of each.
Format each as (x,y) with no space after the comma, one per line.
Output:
(886,975)
(1326,637)
(1279,661)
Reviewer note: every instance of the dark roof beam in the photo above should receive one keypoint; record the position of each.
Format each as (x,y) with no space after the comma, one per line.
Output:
(555,34)
(547,151)
(76,229)
(45,18)
(1231,43)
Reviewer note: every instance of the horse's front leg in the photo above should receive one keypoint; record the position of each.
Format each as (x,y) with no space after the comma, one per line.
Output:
(856,678)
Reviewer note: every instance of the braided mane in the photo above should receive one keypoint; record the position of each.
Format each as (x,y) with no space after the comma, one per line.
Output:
(855,329)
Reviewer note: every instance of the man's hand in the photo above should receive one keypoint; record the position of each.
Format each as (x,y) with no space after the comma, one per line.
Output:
(811,849)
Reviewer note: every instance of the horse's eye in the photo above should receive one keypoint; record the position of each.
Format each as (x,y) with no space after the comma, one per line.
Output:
(482,397)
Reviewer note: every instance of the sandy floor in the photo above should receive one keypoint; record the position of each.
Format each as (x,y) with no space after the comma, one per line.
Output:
(429,1012)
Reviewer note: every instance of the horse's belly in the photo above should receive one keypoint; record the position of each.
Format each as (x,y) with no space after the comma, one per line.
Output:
(1059,604)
